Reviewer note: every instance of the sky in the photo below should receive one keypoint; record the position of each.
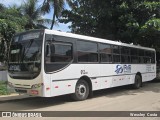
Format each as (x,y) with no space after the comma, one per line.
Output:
(60,26)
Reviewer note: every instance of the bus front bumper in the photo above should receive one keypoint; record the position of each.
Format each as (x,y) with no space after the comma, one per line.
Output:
(34,91)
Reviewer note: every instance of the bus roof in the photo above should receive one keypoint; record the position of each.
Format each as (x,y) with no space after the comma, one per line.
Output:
(88,38)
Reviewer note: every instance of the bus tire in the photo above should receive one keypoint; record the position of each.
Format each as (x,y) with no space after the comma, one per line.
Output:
(137,82)
(81,91)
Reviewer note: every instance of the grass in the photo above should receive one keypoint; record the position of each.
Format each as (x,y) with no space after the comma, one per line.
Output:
(3,88)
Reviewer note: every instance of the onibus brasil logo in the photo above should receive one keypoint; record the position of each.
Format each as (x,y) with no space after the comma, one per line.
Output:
(123,69)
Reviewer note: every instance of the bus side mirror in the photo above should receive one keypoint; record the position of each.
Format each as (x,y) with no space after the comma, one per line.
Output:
(48,52)
(52,49)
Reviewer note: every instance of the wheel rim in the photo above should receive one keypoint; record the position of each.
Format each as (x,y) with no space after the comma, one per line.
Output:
(81,90)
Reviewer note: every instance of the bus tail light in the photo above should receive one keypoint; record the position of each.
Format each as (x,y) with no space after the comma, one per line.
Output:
(35,92)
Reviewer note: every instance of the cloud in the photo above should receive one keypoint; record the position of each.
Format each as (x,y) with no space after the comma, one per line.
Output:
(17,2)
(11,2)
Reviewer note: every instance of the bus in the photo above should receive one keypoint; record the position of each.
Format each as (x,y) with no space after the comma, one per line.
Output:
(49,63)
(158,65)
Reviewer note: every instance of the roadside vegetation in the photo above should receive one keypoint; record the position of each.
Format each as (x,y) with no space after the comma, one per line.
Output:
(134,22)
(3,88)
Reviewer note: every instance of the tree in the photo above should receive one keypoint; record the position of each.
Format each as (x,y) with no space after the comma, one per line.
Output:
(119,20)
(15,19)
(150,34)
(2,7)
(57,5)
(11,21)
(33,13)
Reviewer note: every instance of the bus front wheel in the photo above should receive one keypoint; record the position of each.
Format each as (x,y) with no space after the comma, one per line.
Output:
(137,82)
(81,91)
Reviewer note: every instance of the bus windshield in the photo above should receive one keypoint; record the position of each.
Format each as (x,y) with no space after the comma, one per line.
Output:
(25,56)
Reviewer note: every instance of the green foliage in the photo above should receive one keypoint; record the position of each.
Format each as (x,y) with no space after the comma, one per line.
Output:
(56,5)
(33,13)
(150,33)
(15,19)
(132,21)
(153,24)
(3,88)
(11,21)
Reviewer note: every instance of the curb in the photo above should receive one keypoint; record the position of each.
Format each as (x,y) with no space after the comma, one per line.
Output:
(5,98)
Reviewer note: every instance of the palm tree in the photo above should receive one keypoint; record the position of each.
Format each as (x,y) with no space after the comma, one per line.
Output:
(34,14)
(2,7)
(57,5)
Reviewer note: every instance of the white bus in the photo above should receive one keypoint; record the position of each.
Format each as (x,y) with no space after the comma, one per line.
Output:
(50,63)
(158,65)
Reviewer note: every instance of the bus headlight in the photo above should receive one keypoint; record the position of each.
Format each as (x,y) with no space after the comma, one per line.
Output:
(37,85)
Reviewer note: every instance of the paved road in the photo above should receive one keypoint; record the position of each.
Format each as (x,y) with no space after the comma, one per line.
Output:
(115,99)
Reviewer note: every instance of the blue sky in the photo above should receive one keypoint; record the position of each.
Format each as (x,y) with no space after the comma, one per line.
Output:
(62,27)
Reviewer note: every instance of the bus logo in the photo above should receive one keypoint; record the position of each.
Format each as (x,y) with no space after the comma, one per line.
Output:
(127,68)
(123,69)
(119,69)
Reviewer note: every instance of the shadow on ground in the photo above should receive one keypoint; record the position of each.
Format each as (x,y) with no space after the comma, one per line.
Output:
(39,102)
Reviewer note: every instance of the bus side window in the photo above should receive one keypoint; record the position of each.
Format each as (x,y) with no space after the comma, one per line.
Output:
(58,55)
(148,56)
(125,54)
(61,52)
(87,51)
(134,56)
(116,54)
(141,56)
(153,57)
(105,51)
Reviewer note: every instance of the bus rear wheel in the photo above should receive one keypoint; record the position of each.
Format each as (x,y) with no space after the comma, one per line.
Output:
(81,91)
(137,82)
